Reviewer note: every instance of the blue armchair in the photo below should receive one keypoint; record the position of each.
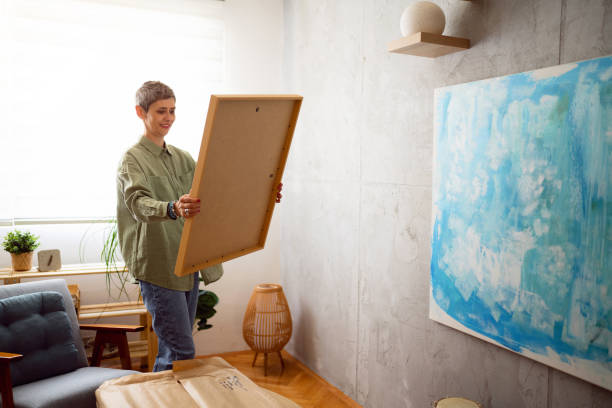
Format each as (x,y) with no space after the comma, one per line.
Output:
(42,358)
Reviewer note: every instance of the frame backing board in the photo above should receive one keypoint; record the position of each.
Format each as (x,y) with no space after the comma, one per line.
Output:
(242,157)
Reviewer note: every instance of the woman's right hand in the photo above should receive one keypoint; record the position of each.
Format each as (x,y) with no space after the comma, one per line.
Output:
(187,206)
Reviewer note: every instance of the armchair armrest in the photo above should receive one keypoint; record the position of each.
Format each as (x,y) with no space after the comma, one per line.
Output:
(114,334)
(6,387)
(9,356)
(112,327)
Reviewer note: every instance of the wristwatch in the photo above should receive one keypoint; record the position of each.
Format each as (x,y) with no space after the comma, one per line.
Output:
(170,211)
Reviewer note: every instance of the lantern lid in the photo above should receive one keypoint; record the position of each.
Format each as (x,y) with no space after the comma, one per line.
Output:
(268,288)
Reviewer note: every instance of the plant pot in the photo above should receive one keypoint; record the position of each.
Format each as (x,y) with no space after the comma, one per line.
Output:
(22,262)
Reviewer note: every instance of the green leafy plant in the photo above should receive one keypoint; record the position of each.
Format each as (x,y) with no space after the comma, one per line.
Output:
(17,242)
(207,301)
(116,275)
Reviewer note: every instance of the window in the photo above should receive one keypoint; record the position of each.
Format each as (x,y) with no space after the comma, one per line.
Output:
(68,82)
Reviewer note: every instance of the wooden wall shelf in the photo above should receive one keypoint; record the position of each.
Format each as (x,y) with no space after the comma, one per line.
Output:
(428,45)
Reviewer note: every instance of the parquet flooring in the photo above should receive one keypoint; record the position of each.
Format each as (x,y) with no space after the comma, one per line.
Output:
(297,382)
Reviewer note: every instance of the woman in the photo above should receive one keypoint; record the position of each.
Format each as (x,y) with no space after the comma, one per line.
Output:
(153,182)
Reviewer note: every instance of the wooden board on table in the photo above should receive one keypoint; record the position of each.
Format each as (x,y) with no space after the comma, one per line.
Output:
(242,157)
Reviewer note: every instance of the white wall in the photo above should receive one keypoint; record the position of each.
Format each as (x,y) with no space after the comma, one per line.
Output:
(254,45)
(254,54)
(254,65)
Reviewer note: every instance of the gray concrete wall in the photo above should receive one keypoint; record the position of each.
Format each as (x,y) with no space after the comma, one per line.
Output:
(355,228)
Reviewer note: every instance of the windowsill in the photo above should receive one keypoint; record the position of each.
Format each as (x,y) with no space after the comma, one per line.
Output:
(48,221)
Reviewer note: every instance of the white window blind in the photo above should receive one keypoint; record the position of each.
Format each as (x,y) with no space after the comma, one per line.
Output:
(68,77)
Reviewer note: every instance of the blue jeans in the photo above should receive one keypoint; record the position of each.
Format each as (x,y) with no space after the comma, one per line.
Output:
(173,313)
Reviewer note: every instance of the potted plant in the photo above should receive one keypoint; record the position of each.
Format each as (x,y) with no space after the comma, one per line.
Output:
(21,246)
(110,255)
(117,275)
(207,301)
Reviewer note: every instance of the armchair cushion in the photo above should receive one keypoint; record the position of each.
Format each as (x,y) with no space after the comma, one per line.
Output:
(37,326)
(75,389)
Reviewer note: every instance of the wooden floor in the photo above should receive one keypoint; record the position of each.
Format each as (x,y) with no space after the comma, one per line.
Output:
(297,382)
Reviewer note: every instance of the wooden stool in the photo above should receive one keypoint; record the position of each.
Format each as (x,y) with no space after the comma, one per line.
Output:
(456,402)
(114,334)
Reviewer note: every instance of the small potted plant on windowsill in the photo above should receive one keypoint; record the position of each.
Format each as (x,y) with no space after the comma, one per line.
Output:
(21,246)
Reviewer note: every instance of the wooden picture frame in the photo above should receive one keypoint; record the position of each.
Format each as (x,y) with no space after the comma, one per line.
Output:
(241,162)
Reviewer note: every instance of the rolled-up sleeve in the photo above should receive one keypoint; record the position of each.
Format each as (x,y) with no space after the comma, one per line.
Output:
(137,193)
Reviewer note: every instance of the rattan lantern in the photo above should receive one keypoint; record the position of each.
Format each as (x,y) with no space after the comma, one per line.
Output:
(267,322)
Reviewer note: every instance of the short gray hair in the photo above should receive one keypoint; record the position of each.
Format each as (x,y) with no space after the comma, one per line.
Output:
(151,92)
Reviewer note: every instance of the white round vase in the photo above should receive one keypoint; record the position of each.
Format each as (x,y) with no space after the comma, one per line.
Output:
(422,16)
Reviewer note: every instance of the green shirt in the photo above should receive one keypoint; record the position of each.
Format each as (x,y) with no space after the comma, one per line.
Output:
(149,177)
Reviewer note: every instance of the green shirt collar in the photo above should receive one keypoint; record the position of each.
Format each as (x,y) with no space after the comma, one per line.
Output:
(153,148)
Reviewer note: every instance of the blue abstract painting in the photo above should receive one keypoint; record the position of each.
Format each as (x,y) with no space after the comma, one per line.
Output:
(522,214)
